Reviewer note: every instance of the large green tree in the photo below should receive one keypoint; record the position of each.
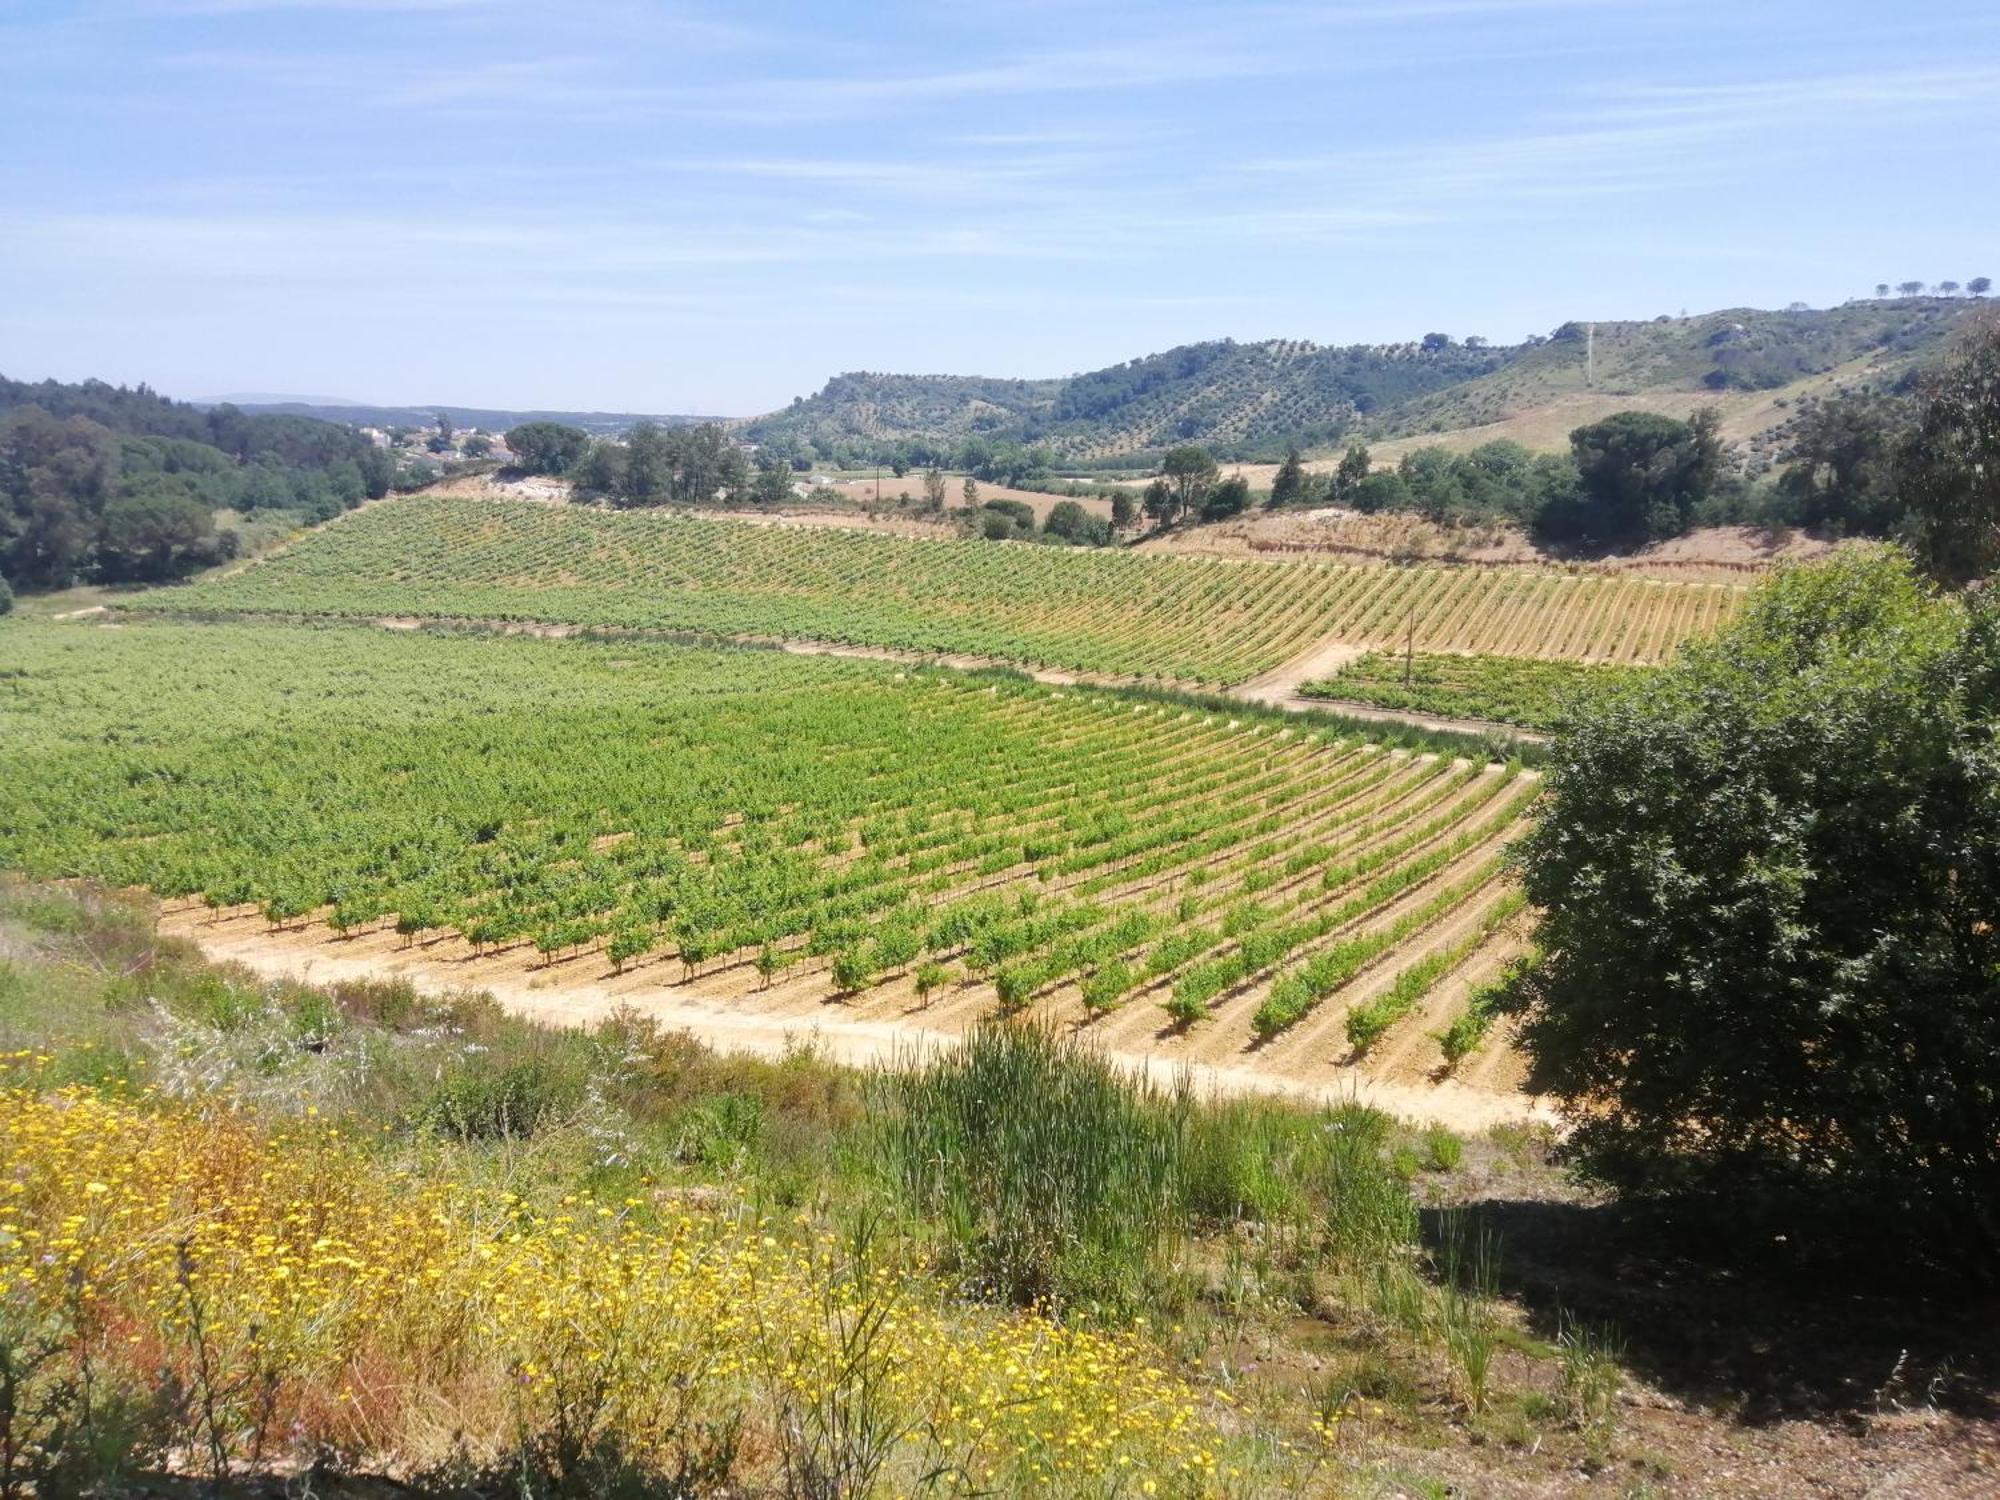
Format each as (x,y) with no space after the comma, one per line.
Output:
(1770,958)
(1189,473)
(1229,498)
(1844,471)
(647,473)
(1951,465)
(158,530)
(705,466)
(1288,485)
(773,485)
(658,466)
(547,447)
(55,475)
(1355,467)
(1640,476)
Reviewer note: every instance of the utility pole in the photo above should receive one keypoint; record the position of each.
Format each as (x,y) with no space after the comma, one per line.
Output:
(1590,355)
(1409,643)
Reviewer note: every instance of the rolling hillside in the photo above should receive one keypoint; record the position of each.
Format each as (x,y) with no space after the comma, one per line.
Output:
(1226,394)
(1738,350)
(1251,400)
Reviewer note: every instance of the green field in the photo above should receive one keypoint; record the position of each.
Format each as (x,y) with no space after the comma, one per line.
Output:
(655,802)
(1499,689)
(1196,620)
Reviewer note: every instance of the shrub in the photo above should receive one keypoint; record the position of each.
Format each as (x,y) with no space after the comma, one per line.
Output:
(853,970)
(476,1101)
(1369,1216)
(1055,1174)
(1770,968)
(931,976)
(1443,1151)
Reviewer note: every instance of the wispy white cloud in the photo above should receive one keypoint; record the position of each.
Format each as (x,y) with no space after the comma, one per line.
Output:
(1632,139)
(251,7)
(951,176)
(1838,90)
(1107,175)
(1420,12)
(1068,135)
(605,61)
(358,251)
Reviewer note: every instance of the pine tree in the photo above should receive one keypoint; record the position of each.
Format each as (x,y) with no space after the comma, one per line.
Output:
(1289,487)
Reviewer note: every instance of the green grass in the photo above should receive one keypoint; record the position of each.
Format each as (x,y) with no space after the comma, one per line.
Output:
(1498,689)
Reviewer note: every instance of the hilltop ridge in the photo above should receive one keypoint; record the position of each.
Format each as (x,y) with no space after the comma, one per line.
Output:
(1251,400)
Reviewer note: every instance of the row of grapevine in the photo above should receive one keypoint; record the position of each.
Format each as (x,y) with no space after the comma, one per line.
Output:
(1188,619)
(1501,689)
(686,813)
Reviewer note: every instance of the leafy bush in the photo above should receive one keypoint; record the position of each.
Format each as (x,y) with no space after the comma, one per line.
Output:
(1770,966)
(477,1101)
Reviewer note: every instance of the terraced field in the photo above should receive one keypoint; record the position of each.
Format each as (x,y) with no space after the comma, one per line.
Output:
(770,833)
(1195,620)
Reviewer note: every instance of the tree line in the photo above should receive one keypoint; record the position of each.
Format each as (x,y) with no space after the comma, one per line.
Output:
(1978,286)
(1633,477)
(655,465)
(557,449)
(108,483)
(1067,524)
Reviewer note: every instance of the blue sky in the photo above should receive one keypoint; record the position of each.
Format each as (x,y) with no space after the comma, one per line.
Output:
(712,207)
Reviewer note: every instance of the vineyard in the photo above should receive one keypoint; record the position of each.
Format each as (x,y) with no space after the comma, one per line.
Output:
(1499,689)
(1195,620)
(773,831)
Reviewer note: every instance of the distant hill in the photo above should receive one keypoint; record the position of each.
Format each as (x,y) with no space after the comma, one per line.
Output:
(1251,400)
(1737,350)
(239,435)
(1222,393)
(600,423)
(274,398)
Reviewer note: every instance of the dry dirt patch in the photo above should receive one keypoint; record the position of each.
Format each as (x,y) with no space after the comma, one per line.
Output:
(1332,534)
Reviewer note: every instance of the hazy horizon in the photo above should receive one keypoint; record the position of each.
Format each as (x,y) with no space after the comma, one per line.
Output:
(634,207)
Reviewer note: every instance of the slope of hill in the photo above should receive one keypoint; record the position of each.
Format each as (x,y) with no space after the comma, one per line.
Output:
(1241,397)
(1100,611)
(1738,350)
(1251,400)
